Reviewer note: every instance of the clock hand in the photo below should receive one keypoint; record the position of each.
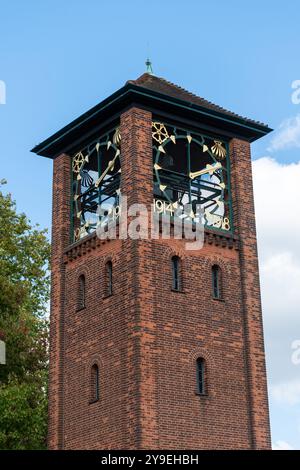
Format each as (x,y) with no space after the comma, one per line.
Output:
(109,167)
(208,169)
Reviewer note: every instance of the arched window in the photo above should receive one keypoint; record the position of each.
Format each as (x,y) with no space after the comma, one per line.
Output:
(200,366)
(94,383)
(81,292)
(108,278)
(216,281)
(176,275)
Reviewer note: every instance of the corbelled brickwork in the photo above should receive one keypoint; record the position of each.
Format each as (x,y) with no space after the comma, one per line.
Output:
(146,338)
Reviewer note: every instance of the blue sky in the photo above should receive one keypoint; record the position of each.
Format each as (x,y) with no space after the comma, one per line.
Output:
(58,59)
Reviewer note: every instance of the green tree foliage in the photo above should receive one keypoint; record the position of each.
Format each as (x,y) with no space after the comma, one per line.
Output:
(24,293)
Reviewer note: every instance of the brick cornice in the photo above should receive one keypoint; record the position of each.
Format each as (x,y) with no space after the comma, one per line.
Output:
(226,240)
(91,242)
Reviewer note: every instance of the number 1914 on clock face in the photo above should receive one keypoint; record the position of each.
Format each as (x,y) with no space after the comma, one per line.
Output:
(172,209)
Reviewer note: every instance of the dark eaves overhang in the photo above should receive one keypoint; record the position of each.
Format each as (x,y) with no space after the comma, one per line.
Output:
(66,138)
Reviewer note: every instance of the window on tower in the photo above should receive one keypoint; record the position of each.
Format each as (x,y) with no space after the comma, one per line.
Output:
(200,368)
(176,273)
(81,292)
(191,176)
(216,281)
(94,383)
(108,279)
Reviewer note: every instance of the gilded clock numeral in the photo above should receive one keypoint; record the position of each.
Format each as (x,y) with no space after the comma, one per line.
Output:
(163,207)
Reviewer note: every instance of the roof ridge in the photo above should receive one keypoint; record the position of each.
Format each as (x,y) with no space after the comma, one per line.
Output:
(221,108)
(146,77)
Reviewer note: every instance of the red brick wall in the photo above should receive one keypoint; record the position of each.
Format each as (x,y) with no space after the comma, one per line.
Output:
(244,214)
(60,239)
(146,338)
(98,334)
(192,324)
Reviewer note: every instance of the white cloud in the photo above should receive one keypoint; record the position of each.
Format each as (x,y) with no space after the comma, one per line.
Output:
(280,280)
(282,445)
(286,393)
(277,196)
(287,135)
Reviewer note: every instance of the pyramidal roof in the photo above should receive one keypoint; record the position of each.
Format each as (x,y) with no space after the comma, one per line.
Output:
(161,85)
(153,93)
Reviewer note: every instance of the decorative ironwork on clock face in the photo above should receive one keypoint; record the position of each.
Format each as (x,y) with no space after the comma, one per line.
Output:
(96,174)
(191,169)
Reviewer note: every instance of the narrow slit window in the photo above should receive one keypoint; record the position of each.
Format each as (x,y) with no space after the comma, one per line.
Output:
(94,383)
(216,282)
(201,376)
(108,274)
(176,280)
(81,292)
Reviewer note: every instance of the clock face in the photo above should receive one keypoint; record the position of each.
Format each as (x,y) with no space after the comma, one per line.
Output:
(96,182)
(191,171)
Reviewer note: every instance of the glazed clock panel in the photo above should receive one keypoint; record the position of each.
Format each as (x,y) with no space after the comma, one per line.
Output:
(96,173)
(190,171)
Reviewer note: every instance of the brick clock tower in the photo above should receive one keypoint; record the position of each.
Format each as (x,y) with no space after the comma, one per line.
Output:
(153,346)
